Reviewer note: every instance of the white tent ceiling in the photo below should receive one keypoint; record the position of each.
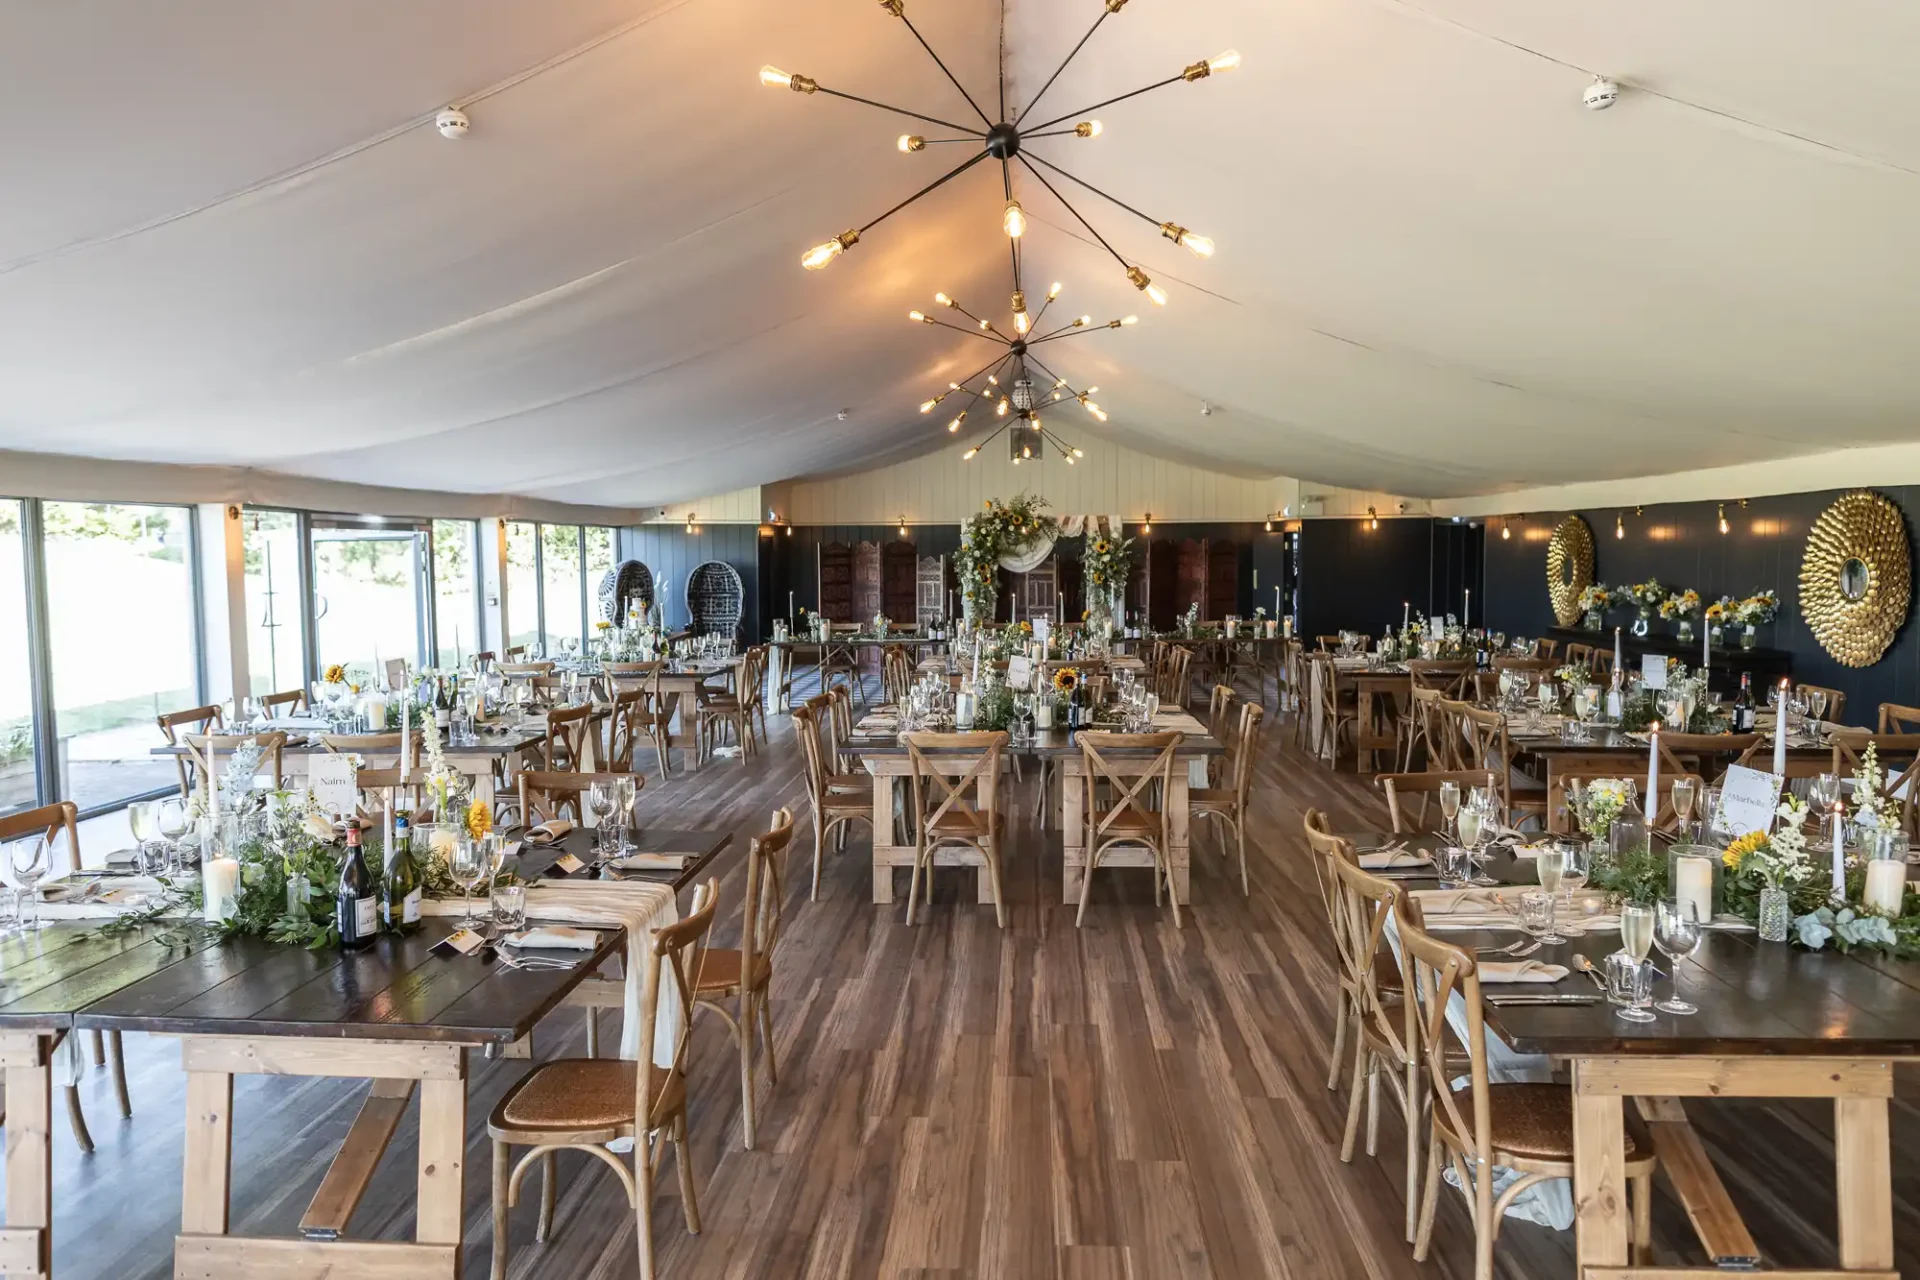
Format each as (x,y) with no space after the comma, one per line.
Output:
(230,235)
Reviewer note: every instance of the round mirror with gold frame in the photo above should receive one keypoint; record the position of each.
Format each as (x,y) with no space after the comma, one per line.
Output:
(1569,567)
(1856,579)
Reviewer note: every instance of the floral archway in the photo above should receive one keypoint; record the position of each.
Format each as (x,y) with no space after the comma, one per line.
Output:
(1018,535)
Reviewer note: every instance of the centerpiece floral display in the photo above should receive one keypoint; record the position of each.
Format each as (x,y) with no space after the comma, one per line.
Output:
(1753,613)
(1647,596)
(1679,608)
(1764,870)
(996,531)
(1718,615)
(1108,563)
(1593,602)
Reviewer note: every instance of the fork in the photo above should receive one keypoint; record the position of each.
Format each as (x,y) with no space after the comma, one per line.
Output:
(1517,948)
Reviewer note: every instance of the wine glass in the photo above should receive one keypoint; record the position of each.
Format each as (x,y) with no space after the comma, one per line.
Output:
(1677,934)
(28,858)
(493,850)
(1450,803)
(467,863)
(1817,704)
(1551,865)
(1683,792)
(144,820)
(1822,794)
(173,820)
(624,791)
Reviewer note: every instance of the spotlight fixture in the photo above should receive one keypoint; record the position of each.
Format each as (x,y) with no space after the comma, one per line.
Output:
(1373,518)
(691,526)
(903,525)
(1724,526)
(1146,526)
(1008,142)
(1619,524)
(1007,383)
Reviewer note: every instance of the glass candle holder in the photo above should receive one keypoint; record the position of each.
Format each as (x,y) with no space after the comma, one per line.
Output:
(1695,872)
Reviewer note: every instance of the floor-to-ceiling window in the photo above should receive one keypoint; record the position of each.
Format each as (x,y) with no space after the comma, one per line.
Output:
(17,782)
(563,605)
(601,544)
(369,594)
(456,616)
(124,643)
(523,585)
(276,625)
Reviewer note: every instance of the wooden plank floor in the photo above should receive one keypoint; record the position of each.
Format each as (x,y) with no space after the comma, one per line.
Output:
(1125,1100)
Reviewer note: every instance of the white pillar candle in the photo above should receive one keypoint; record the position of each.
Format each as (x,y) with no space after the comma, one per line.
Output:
(1406,613)
(1706,646)
(1043,714)
(1653,774)
(220,886)
(406,729)
(1886,886)
(1780,737)
(1693,882)
(1838,888)
(1618,670)
(1466,607)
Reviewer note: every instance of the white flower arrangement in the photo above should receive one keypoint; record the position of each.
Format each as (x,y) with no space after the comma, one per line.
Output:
(1867,781)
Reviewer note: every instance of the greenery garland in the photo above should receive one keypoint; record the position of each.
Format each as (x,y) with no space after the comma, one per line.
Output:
(999,530)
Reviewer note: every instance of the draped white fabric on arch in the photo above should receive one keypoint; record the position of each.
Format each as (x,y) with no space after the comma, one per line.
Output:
(1034,554)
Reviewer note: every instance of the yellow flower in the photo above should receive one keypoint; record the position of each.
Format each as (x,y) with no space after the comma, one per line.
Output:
(479,819)
(1737,851)
(1027,627)
(1065,680)
(603,625)
(1101,548)
(335,674)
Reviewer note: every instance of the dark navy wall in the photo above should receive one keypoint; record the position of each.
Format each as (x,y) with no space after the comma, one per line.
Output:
(1681,544)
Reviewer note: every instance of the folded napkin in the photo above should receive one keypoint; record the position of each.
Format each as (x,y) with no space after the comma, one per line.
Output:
(1520,971)
(1387,859)
(559,937)
(549,831)
(651,862)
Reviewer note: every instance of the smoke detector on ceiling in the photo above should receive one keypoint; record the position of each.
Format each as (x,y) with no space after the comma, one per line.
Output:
(1206,410)
(452,123)
(1601,94)
(842,415)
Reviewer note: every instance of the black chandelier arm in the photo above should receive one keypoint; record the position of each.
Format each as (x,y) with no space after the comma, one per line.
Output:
(1065,328)
(1057,379)
(1038,315)
(974,138)
(976,332)
(993,435)
(1104,11)
(1158,84)
(1097,191)
(991,366)
(1051,133)
(945,178)
(1068,332)
(1075,212)
(902,111)
(943,67)
(968,314)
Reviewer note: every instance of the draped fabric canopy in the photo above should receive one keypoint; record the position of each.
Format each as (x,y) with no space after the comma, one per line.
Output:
(1034,554)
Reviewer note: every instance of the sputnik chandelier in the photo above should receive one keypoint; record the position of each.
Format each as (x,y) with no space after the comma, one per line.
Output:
(1005,142)
(1006,382)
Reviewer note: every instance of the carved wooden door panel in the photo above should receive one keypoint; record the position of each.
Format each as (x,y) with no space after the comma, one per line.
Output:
(866,581)
(836,581)
(899,595)
(1223,580)
(1190,582)
(930,590)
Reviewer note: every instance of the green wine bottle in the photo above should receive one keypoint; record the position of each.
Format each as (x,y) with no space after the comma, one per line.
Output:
(400,891)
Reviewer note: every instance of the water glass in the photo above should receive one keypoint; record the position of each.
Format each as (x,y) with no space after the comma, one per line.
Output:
(509,903)
(1677,934)
(467,864)
(29,859)
(1454,867)
(1536,915)
(1630,986)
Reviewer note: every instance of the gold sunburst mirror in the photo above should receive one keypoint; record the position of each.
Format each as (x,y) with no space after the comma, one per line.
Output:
(1856,579)
(1569,567)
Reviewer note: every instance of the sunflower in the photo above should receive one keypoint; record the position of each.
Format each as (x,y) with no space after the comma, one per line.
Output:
(1101,548)
(335,674)
(1026,627)
(479,820)
(603,625)
(1066,680)
(1738,851)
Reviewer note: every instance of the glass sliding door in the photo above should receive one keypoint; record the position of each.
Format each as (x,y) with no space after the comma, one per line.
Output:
(122,620)
(276,625)
(369,596)
(563,602)
(601,555)
(18,784)
(523,586)
(456,614)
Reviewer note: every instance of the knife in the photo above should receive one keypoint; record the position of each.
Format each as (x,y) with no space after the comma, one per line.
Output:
(1519,998)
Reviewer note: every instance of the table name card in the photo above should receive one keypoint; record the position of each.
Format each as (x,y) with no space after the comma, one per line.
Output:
(332,778)
(1653,670)
(1019,672)
(1748,798)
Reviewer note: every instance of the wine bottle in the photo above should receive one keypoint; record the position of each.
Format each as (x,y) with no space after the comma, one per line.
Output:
(356,907)
(1744,714)
(442,704)
(400,890)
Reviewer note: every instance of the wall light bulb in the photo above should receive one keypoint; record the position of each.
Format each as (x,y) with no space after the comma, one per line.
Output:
(1619,525)
(1506,533)
(1724,526)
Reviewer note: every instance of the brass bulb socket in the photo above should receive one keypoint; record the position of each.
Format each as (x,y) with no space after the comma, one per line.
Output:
(1019,300)
(1198,71)
(1172,231)
(848,238)
(803,84)
(898,8)
(1115,6)
(1139,278)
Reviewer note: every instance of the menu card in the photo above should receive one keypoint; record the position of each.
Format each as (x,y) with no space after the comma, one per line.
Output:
(1653,670)
(1748,799)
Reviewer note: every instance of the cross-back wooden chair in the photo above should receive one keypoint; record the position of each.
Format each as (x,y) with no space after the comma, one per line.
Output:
(842,659)
(376,750)
(1173,690)
(193,720)
(1708,754)
(515,652)
(1545,648)
(1520,797)
(1326,849)
(1220,723)
(565,746)
(1423,732)
(1291,677)
(896,675)
(635,718)
(839,703)
(1524,1127)
(511,667)
(1429,679)
(284,703)
(581,1104)
(1385,1037)
(1339,708)
(836,801)
(1835,710)
(724,708)
(205,751)
(745,975)
(1229,803)
(1579,655)
(955,780)
(1327,644)
(547,794)
(1899,758)
(1130,817)
(1402,786)
(547,691)
(1894,718)
(53,821)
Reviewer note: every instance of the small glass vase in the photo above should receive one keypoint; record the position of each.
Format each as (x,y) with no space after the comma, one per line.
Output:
(1643,623)
(1593,620)
(298,891)
(1750,637)
(1683,632)
(1774,915)
(1718,633)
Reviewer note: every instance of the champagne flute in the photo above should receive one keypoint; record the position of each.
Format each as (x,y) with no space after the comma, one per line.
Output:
(144,820)
(173,821)
(1677,934)
(467,864)
(28,858)
(1450,803)
(1551,864)
(1636,930)
(1683,791)
(624,791)
(600,804)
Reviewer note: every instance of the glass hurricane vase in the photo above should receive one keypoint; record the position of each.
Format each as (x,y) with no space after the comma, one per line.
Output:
(1683,631)
(1775,915)
(1750,637)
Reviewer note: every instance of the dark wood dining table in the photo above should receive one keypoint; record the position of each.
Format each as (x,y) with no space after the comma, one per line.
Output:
(1774,1021)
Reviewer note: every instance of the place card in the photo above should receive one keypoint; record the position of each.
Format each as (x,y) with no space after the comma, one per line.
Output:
(1041,627)
(565,865)
(1748,798)
(1653,670)
(1019,672)
(461,942)
(331,777)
